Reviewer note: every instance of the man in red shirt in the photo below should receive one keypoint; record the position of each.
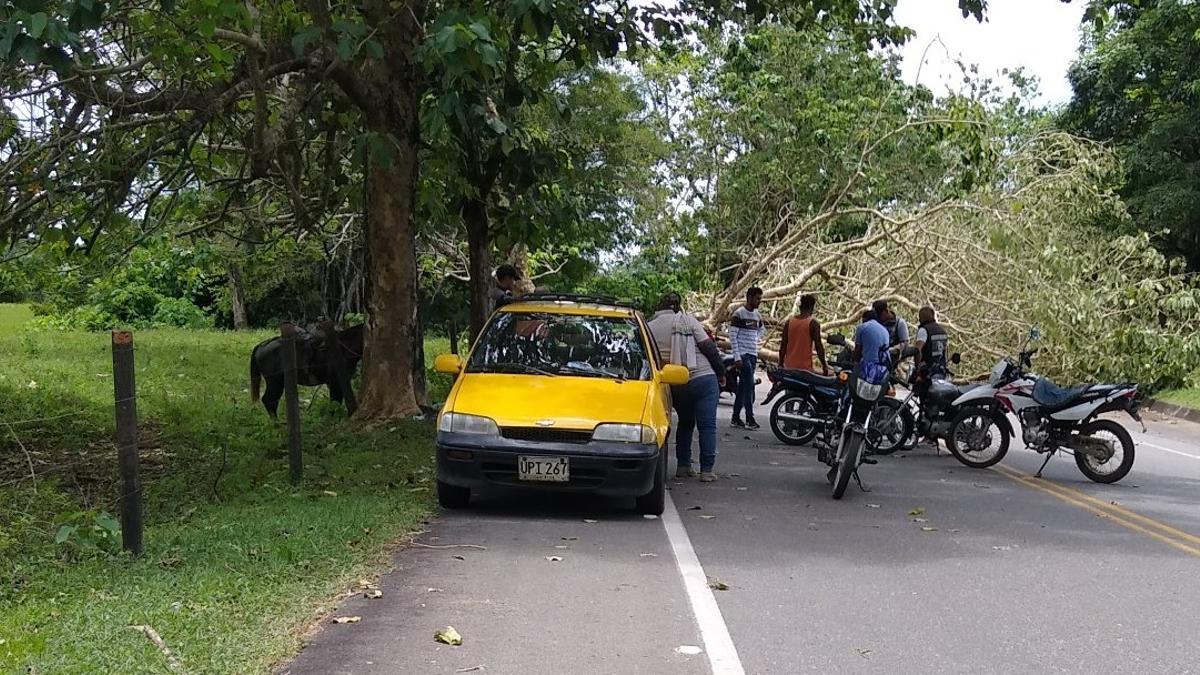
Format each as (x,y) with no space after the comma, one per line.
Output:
(801,336)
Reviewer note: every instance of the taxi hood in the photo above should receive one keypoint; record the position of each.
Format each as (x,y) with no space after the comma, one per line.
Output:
(570,402)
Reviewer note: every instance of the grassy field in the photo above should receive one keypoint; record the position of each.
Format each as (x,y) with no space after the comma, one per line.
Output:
(1186,397)
(238,563)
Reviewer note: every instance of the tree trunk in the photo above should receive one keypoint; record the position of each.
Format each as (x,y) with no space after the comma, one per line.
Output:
(475,216)
(237,297)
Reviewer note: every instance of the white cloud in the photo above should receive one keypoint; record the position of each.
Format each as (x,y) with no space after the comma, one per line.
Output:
(1042,36)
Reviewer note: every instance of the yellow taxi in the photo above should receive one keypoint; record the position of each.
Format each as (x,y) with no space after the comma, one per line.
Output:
(560,392)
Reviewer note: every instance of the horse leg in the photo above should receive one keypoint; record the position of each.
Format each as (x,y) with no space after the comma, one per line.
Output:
(335,391)
(271,398)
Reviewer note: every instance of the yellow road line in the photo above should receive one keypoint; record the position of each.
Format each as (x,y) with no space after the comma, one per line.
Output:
(1110,512)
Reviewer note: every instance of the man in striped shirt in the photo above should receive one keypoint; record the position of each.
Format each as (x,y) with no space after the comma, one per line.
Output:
(745,332)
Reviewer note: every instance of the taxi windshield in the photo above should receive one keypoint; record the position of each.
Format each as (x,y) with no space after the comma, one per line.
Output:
(562,344)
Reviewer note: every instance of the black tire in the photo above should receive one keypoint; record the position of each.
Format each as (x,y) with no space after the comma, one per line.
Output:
(653,502)
(849,463)
(453,496)
(1127,450)
(904,419)
(805,432)
(973,458)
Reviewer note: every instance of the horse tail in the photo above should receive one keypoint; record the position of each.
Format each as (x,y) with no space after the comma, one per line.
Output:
(255,375)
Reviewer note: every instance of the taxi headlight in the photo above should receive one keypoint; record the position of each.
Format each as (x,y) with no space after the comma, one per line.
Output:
(459,423)
(624,433)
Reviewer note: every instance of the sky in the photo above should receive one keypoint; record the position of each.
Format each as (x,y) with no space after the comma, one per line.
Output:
(1040,35)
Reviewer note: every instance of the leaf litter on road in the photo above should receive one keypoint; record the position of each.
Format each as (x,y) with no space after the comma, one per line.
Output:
(373,594)
(346,619)
(717,584)
(448,636)
(872,506)
(917,511)
(688,650)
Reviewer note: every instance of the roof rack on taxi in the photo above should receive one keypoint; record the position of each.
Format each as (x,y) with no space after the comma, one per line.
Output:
(577,297)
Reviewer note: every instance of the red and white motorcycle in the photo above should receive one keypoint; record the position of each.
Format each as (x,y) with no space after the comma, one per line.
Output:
(1052,419)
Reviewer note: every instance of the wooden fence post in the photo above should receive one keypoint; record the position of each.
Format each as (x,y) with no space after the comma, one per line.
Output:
(337,363)
(125,394)
(287,333)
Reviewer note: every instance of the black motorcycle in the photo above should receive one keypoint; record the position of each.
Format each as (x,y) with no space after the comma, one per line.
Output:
(930,407)
(810,400)
(853,428)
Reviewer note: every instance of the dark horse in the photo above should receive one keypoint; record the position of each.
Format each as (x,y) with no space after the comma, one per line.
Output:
(312,364)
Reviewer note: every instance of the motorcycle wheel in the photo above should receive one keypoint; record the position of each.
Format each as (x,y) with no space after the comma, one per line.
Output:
(976,424)
(794,433)
(901,424)
(852,453)
(1118,465)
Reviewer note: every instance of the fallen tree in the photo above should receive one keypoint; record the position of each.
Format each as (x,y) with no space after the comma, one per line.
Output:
(1032,246)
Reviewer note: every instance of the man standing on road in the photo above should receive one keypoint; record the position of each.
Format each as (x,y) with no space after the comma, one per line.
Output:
(897,328)
(801,335)
(871,339)
(932,345)
(681,340)
(745,332)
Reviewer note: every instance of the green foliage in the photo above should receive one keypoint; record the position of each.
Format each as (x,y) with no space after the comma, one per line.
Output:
(1137,85)
(91,532)
(158,284)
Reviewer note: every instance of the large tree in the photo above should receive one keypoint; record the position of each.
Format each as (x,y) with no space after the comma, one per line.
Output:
(1137,85)
(105,106)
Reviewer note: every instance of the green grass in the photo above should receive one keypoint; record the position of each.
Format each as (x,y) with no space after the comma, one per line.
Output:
(237,561)
(1184,397)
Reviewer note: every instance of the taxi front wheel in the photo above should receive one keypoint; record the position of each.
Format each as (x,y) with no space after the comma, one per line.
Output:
(653,502)
(453,496)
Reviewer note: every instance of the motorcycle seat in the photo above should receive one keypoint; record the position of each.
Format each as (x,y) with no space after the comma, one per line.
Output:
(808,377)
(1051,395)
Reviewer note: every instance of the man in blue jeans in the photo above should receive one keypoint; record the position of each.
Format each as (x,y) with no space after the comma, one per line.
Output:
(681,340)
(745,332)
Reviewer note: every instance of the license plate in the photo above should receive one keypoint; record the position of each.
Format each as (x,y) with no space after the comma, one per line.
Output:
(543,469)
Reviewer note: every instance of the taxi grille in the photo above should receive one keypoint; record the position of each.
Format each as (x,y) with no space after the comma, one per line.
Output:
(540,435)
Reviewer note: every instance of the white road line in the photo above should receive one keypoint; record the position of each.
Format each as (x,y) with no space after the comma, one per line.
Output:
(722,655)
(1173,452)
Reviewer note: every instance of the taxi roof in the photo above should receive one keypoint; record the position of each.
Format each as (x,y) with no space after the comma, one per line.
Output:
(570,304)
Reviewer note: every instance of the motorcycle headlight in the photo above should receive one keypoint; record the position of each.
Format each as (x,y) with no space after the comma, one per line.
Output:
(624,433)
(867,391)
(459,423)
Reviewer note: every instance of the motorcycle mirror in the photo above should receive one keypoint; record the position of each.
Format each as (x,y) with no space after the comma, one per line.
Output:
(956,358)
(837,339)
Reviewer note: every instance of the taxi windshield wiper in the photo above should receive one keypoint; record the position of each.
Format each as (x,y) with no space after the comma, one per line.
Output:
(588,370)
(509,367)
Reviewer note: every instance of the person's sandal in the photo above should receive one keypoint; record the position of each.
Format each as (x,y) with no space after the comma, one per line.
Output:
(707,476)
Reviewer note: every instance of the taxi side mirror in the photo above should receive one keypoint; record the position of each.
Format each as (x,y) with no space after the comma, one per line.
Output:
(449,364)
(673,374)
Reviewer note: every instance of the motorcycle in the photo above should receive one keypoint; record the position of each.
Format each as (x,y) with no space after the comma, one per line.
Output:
(809,400)
(867,386)
(933,409)
(1052,418)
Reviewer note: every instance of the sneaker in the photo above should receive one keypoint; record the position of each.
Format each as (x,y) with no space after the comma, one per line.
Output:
(751,424)
(707,476)
(685,472)
(735,422)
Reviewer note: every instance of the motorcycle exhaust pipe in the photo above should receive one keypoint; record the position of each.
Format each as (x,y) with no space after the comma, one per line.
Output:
(803,419)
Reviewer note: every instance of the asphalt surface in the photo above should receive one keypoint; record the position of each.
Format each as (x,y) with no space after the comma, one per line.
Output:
(938,568)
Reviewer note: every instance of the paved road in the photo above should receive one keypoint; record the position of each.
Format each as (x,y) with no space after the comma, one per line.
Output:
(998,573)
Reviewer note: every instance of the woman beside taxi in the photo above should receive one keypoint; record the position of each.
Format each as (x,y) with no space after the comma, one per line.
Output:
(682,340)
